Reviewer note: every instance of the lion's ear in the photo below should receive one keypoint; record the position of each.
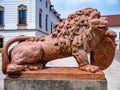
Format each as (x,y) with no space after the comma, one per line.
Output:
(104,52)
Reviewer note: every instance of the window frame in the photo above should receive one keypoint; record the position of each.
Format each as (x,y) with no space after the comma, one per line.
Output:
(22,7)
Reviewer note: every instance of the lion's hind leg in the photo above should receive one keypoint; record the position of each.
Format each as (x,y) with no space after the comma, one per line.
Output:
(27,57)
(14,68)
(83,64)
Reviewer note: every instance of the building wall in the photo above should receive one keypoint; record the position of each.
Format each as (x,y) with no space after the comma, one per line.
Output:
(11,28)
(13,33)
(117,30)
(11,13)
(8,34)
(33,7)
(51,17)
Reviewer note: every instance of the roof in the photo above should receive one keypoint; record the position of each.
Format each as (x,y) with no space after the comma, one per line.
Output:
(114,20)
(54,11)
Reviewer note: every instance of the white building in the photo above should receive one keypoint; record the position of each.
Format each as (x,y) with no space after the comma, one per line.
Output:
(114,24)
(26,17)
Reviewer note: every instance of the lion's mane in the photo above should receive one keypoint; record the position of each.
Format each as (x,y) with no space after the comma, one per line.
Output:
(77,29)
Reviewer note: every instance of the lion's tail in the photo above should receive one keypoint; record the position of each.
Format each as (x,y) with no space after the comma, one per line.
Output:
(5,56)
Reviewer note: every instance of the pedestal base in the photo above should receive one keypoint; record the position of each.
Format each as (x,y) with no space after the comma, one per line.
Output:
(56,79)
(60,73)
(42,84)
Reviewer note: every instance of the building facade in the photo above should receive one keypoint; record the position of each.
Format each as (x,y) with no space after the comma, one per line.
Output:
(26,17)
(114,24)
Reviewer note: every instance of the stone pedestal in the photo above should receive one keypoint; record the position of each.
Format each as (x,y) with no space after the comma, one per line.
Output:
(56,79)
(43,84)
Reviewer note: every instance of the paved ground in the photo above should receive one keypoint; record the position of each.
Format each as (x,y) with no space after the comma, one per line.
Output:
(113,76)
(2,76)
(112,73)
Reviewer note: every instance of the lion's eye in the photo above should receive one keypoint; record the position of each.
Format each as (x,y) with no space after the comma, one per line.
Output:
(96,16)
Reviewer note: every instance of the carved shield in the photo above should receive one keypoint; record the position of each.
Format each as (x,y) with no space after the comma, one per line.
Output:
(104,52)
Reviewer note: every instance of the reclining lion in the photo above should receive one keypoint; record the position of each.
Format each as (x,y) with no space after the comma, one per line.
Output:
(84,31)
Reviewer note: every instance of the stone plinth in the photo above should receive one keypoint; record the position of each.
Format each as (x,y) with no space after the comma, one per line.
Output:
(61,73)
(43,84)
(56,79)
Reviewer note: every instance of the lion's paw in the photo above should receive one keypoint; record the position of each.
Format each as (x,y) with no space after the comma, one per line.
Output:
(89,68)
(14,69)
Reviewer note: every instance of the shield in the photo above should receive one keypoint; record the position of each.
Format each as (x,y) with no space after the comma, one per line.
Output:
(104,52)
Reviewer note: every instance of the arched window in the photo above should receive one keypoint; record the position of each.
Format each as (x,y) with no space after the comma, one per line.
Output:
(22,14)
(46,22)
(1,16)
(40,18)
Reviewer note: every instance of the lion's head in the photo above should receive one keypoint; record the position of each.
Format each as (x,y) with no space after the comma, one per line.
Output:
(82,28)
(87,30)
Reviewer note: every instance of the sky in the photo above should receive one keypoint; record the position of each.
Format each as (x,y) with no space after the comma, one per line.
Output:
(106,7)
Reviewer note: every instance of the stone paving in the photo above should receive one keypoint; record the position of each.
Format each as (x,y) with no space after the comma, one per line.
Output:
(113,76)
(112,73)
(2,76)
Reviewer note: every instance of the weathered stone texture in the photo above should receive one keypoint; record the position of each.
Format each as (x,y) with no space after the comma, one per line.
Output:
(82,32)
(37,84)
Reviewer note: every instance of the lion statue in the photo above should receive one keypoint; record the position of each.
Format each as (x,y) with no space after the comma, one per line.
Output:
(82,32)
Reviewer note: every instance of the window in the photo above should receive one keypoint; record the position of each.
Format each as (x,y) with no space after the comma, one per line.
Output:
(119,46)
(119,35)
(1,42)
(51,7)
(46,22)
(1,16)
(46,4)
(51,26)
(22,15)
(40,18)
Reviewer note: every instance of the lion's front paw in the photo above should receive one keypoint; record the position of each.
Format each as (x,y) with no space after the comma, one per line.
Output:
(89,68)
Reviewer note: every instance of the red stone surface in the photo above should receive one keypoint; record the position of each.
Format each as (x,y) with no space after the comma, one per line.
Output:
(82,32)
(60,73)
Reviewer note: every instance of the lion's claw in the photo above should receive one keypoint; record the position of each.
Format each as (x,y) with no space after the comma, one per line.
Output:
(89,68)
